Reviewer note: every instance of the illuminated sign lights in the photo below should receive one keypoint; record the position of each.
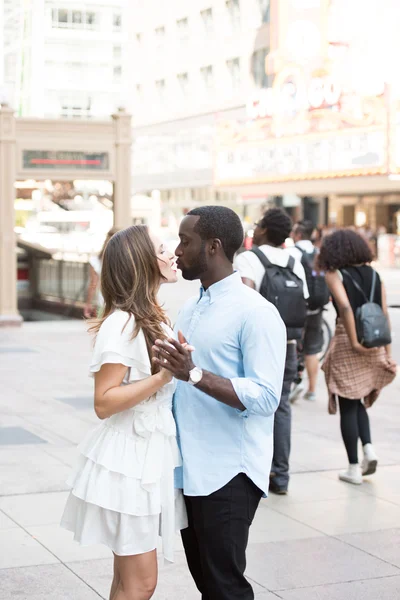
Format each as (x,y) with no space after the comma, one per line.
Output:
(65,159)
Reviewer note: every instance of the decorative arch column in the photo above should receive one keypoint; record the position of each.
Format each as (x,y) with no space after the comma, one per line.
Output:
(8,257)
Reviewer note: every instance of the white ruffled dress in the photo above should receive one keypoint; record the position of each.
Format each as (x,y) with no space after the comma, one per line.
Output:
(122,489)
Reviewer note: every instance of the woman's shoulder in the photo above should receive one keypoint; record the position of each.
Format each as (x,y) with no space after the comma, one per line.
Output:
(118,323)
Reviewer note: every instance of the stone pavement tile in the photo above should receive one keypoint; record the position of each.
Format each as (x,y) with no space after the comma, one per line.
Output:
(67,455)
(383,544)
(45,582)
(312,487)
(5,521)
(385,484)
(351,515)
(384,588)
(31,510)
(61,543)
(71,427)
(19,549)
(271,526)
(312,562)
(174,580)
(32,477)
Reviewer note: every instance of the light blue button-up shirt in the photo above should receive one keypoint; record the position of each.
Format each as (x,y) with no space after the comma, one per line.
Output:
(238,335)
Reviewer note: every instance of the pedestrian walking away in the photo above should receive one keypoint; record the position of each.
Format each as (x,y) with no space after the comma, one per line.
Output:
(122,489)
(94,299)
(313,339)
(355,374)
(275,274)
(225,401)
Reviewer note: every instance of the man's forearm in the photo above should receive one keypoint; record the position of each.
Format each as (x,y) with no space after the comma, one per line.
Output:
(221,389)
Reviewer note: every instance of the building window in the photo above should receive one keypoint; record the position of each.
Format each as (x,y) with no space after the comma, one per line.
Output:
(75,107)
(117,52)
(160,87)
(183,28)
(117,21)
(258,67)
(90,20)
(138,38)
(138,91)
(207,18)
(265,10)
(233,8)
(233,66)
(160,36)
(207,76)
(62,18)
(117,73)
(183,80)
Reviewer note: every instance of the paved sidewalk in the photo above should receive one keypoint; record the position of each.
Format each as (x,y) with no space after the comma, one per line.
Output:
(326,540)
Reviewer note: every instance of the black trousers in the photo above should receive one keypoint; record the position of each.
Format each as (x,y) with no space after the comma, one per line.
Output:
(215,541)
(354,425)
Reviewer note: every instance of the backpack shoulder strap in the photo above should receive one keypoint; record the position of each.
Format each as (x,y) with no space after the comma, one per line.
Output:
(303,252)
(357,286)
(262,258)
(374,278)
(291,263)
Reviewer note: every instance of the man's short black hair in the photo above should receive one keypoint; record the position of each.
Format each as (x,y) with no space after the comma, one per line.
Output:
(278,225)
(305,228)
(222,223)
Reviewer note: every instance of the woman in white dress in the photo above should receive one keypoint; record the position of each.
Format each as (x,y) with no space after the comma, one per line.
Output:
(122,490)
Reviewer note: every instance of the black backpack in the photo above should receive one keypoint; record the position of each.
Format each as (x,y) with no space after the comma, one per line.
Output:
(284,289)
(317,288)
(372,325)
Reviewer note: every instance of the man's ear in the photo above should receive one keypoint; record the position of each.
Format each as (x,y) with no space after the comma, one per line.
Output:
(215,246)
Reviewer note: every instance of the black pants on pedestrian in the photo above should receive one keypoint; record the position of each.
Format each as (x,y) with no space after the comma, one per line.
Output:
(354,424)
(283,422)
(216,539)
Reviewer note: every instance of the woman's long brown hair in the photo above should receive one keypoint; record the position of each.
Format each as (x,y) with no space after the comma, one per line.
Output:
(130,279)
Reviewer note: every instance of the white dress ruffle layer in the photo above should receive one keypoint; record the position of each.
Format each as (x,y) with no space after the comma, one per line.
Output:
(122,489)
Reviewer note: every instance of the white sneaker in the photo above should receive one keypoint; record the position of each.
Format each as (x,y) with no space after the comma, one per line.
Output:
(310,396)
(370,460)
(351,475)
(296,391)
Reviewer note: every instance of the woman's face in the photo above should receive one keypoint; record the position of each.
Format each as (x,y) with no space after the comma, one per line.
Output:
(166,261)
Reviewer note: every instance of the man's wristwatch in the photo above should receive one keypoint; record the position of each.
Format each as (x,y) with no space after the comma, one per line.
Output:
(195,376)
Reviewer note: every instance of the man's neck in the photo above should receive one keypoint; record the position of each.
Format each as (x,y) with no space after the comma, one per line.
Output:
(265,243)
(209,278)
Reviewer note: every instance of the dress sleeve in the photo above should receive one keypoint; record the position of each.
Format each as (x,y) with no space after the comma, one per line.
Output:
(114,345)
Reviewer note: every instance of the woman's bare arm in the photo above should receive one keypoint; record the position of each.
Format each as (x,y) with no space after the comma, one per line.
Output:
(111,398)
(338,291)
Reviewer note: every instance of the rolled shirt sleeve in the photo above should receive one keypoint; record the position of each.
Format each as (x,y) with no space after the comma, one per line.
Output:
(263,346)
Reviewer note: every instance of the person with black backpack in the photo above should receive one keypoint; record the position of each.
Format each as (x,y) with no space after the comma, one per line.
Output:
(280,278)
(359,362)
(313,339)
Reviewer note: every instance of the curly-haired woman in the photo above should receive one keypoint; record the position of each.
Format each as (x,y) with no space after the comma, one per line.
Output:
(354,374)
(123,486)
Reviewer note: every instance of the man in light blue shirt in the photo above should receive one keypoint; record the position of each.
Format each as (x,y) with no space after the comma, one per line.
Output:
(228,391)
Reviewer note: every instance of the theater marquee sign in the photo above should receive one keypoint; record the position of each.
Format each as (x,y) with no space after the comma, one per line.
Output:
(329,110)
(299,131)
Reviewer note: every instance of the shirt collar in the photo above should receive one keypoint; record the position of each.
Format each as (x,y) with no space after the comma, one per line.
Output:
(306,245)
(221,287)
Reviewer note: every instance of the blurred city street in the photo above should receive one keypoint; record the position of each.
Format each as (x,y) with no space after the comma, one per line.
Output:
(326,540)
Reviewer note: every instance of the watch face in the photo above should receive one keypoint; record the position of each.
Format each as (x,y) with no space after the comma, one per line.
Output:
(196,375)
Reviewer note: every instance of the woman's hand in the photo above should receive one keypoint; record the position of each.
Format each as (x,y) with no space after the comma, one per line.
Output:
(165,376)
(88,311)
